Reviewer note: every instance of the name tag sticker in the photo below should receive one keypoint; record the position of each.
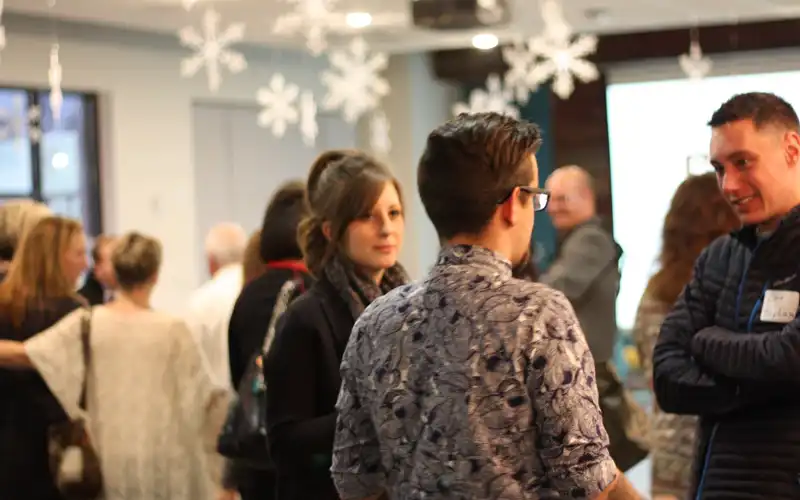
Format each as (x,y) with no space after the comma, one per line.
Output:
(780,306)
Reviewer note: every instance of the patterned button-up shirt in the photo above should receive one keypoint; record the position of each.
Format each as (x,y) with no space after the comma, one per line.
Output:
(470,385)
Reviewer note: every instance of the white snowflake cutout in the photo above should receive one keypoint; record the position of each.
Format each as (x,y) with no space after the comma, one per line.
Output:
(311,18)
(564,61)
(556,26)
(520,61)
(212,49)
(379,140)
(309,129)
(54,74)
(695,65)
(354,83)
(2,27)
(279,101)
(495,99)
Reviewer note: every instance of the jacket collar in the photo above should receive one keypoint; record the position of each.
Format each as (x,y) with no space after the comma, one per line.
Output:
(787,232)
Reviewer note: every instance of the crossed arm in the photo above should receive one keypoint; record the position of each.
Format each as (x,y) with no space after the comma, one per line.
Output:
(681,385)
(769,356)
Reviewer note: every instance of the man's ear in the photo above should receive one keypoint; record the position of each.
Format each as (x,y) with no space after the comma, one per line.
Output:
(326,230)
(509,209)
(792,149)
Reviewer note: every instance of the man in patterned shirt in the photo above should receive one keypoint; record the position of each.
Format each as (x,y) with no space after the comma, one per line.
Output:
(471,384)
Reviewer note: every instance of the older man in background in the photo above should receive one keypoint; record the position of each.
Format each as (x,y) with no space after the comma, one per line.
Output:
(211,305)
(586,268)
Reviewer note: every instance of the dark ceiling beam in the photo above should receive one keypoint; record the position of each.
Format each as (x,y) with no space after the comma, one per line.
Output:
(470,66)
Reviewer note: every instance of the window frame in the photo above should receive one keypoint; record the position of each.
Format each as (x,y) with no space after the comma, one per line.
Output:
(92,199)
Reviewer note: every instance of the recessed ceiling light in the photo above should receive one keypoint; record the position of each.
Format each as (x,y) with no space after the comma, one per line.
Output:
(485,41)
(359,19)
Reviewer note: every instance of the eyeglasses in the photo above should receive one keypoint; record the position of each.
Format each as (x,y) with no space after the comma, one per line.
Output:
(540,197)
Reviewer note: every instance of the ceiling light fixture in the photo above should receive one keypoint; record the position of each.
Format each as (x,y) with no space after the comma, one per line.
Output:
(359,20)
(485,41)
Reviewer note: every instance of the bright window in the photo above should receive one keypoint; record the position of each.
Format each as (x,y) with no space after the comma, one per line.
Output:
(658,133)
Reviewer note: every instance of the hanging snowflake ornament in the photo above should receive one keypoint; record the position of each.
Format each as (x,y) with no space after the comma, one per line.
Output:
(2,26)
(694,64)
(54,75)
(520,62)
(309,129)
(563,59)
(495,99)
(355,85)
(309,18)
(556,26)
(379,140)
(564,62)
(212,49)
(279,102)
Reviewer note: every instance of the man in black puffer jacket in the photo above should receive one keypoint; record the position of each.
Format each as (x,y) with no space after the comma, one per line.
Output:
(730,349)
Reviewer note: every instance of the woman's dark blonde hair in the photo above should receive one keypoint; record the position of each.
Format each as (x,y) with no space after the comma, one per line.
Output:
(136,259)
(698,214)
(342,186)
(36,274)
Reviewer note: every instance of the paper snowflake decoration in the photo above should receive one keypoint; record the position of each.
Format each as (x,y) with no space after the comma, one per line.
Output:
(212,49)
(379,140)
(355,85)
(495,99)
(564,61)
(2,27)
(313,19)
(694,64)
(308,118)
(520,63)
(54,75)
(279,102)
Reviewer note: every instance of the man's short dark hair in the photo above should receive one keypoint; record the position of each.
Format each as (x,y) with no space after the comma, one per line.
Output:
(469,164)
(279,228)
(762,108)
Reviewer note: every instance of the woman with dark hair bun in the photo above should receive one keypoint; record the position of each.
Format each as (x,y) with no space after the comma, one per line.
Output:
(350,239)
(274,258)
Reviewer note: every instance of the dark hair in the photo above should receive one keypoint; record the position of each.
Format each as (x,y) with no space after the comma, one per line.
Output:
(342,186)
(100,241)
(762,108)
(470,163)
(697,215)
(279,229)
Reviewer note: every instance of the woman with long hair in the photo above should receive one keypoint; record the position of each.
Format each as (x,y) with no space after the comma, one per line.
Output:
(151,407)
(37,292)
(698,214)
(350,240)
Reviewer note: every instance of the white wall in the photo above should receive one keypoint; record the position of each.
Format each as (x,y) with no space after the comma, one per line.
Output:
(238,166)
(146,127)
(418,103)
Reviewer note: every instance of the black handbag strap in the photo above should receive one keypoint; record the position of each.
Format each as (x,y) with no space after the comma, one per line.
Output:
(86,331)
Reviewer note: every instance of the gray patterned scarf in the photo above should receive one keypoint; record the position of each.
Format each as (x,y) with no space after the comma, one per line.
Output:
(359,291)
